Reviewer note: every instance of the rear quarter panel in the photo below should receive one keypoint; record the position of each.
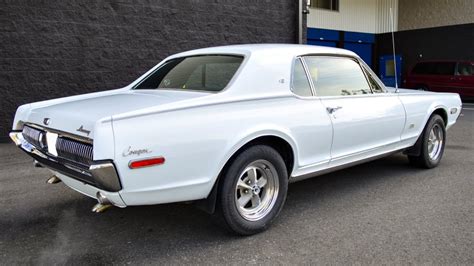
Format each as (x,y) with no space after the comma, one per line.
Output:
(197,142)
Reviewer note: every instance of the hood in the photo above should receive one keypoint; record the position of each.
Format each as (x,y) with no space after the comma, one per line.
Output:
(73,115)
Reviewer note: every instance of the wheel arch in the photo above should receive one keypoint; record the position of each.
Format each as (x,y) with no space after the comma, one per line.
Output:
(282,146)
(440,110)
(281,142)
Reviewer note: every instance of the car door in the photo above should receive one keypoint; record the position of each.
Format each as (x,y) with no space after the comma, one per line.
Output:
(365,118)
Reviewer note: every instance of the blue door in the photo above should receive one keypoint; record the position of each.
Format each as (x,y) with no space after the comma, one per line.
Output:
(387,70)
(323,43)
(361,44)
(323,37)
(364,50)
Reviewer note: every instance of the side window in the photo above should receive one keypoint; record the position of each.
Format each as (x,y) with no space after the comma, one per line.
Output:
(337,76)
(300,84)
(374,85)
(423,68)
(445,68)
(465,69)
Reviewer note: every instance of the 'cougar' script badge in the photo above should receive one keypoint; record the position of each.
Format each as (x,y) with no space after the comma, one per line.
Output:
(46,121)
(81,129)
(138,152)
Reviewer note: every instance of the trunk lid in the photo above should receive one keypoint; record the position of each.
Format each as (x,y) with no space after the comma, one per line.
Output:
(79,116)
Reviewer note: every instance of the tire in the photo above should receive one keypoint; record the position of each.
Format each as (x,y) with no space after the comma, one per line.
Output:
(432,146)
(247,207)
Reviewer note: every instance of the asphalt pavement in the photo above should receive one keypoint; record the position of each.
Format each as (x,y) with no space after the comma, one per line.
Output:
(382,212)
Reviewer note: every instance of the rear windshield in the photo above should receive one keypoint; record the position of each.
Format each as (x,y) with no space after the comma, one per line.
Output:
(434,68)
(197,73)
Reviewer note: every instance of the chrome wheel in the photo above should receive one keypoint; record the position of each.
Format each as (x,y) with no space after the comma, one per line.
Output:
(256,190)
(435,142)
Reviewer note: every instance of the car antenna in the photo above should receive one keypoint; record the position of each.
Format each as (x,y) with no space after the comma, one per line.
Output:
(393,47)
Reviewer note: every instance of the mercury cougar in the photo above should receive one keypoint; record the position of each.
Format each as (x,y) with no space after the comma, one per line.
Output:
(228,128)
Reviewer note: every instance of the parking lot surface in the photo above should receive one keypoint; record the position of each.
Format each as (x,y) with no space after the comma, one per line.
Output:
(384,211)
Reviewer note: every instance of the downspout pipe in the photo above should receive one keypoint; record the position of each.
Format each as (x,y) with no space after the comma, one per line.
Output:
(302,10)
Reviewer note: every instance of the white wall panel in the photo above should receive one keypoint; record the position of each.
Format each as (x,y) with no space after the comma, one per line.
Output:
(371,16)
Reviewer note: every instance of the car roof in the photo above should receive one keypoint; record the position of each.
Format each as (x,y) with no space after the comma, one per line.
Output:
(276,49)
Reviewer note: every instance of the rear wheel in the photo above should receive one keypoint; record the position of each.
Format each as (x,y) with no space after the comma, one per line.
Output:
(433,141)
(253,190)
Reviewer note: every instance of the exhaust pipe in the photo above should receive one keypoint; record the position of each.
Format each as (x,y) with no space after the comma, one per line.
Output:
(100,208)
(53,180)
(103,204)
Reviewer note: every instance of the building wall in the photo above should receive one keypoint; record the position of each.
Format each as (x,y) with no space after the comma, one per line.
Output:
(57,48)
(416,14)
(369,16)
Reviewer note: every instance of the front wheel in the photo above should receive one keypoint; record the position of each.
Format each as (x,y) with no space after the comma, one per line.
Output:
(433,141)
(253,190)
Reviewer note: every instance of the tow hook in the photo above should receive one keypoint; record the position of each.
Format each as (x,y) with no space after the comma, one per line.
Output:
(102,205)
(37,164)
(53,180)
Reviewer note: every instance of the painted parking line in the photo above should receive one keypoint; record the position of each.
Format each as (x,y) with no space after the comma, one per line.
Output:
(468,109)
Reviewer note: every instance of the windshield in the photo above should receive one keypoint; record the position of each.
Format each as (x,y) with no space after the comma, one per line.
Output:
(198,73)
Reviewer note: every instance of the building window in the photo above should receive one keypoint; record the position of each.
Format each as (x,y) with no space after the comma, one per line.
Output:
(332,5)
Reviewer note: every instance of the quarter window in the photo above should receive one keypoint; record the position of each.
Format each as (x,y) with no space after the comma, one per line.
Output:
(337,76)
(373,84)
(300,84)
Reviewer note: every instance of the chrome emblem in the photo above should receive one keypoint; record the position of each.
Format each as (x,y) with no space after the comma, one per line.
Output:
(85,131)
(138,152)
(46,121)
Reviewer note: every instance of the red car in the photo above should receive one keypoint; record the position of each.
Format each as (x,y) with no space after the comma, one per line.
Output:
(443,76)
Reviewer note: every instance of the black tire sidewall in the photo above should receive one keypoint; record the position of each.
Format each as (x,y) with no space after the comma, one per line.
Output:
(226,196)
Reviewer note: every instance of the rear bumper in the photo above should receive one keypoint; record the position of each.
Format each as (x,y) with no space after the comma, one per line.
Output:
(100,176)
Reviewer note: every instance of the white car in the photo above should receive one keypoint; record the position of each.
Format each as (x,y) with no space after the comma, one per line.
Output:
(229,127)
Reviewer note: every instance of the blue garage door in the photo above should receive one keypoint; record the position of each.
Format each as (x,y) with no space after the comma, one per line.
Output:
(364,50)
(323,43)
(361,44)
(323,37)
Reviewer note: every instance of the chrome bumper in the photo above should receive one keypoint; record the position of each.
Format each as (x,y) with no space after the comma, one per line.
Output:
(100,174)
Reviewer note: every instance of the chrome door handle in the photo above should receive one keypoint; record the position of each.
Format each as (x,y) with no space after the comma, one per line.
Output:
(331,110)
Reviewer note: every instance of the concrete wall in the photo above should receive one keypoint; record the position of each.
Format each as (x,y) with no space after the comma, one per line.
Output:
(417,14)
(370,16)
(55,48)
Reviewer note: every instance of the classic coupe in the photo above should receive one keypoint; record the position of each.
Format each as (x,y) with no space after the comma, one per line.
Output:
(229,127)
